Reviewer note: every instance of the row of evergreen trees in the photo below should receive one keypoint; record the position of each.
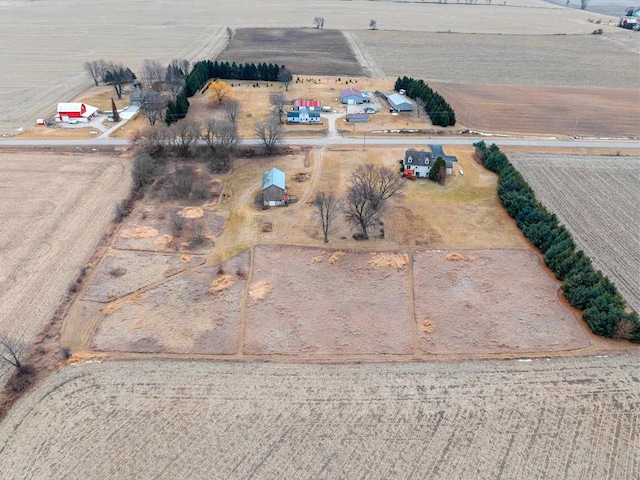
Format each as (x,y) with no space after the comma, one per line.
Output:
(584,287)
(205,70)
(439,111)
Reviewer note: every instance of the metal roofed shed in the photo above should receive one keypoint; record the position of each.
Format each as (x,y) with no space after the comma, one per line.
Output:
(273,188)
(398,102)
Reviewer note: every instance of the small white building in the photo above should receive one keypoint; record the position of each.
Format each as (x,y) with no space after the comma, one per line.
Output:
(421,161)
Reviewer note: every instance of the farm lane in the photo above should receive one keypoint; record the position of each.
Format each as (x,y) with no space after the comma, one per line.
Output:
(342,141)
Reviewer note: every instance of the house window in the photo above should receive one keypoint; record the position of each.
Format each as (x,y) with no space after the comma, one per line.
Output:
(410,160)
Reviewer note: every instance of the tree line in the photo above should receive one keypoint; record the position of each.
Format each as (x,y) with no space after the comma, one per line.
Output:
(205,70)
(438,109)
(584,287)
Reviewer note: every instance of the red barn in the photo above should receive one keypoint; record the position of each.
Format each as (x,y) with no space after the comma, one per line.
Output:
(76,111)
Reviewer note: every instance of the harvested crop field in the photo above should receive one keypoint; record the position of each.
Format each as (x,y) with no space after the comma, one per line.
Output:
(597,199)
(304,51)
(55,209)
(490,301)
(535,60)
(591,112)
(321,302)
(196,312)
(557,419)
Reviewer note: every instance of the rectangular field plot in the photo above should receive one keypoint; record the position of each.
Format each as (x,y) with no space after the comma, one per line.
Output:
(198,312)
(304,51)
(597,199)
(310,301)
(488,302)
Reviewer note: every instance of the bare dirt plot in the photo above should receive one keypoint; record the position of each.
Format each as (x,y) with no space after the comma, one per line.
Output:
(304,51)
(121,273)
(544,110)
(558,419)
(536,60)
(151,228)
(597,199)
(197,312)
(310,301)
(55,209)
(490,301)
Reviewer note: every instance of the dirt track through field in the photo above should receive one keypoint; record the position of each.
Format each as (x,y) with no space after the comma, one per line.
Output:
(564,419)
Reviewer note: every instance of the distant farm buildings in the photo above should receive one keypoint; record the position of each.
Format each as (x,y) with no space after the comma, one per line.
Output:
(421,161)
(274,192)
(398,102)
(75,112)
(352,96)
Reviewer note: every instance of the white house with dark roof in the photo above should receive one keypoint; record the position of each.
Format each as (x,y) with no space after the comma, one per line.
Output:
(303,115)
(421,161)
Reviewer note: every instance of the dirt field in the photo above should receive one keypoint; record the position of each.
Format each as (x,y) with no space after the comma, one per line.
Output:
(318,302)
(558,419)
(597,199)
(55,209)
(316,52)
(46,56)
(490,301)
(590,112)
(534,60)
(198,312)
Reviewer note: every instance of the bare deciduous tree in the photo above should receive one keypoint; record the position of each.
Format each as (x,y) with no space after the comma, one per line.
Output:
(229,33)
(96,68)
(181,64)
(368,193)
(279,103)
(285,77)
(327,207)
(152,74)
(318,22)
(221,138)
(232,110)
(175,80)
(182,136)
(373,24)
(270,133)
(11,353)
(153,105)
(117,75)
(152,140)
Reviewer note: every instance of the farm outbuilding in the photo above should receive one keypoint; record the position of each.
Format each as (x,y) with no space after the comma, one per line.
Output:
(398,102)
(303,115)
(274,192)
(357,117)
(78,112)
(311,105)
(421,161)
(352,96)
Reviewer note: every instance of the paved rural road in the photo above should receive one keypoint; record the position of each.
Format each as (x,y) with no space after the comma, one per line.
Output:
(325,141)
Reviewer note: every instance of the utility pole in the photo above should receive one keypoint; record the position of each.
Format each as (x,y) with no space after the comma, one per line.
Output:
(364,141)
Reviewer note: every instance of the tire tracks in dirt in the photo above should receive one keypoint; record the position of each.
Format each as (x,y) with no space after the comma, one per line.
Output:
(365,60)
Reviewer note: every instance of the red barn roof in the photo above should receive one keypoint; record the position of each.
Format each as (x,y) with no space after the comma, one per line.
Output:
(307,103)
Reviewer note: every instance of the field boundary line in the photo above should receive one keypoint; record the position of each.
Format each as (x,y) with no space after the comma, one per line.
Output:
(412,308)
(365,60)
(243,307)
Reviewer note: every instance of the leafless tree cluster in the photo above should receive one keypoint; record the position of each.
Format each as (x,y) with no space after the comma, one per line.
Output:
(97,70)
(285,77)
(118,76)
(371,187)
(279,103)
(232,110)
(153,105)
(152,74)
(220,138)
(270,132)
(373,24)
(318,22)
(327,208)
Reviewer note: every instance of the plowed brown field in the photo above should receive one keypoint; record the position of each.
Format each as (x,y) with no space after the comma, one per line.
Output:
(554,419)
